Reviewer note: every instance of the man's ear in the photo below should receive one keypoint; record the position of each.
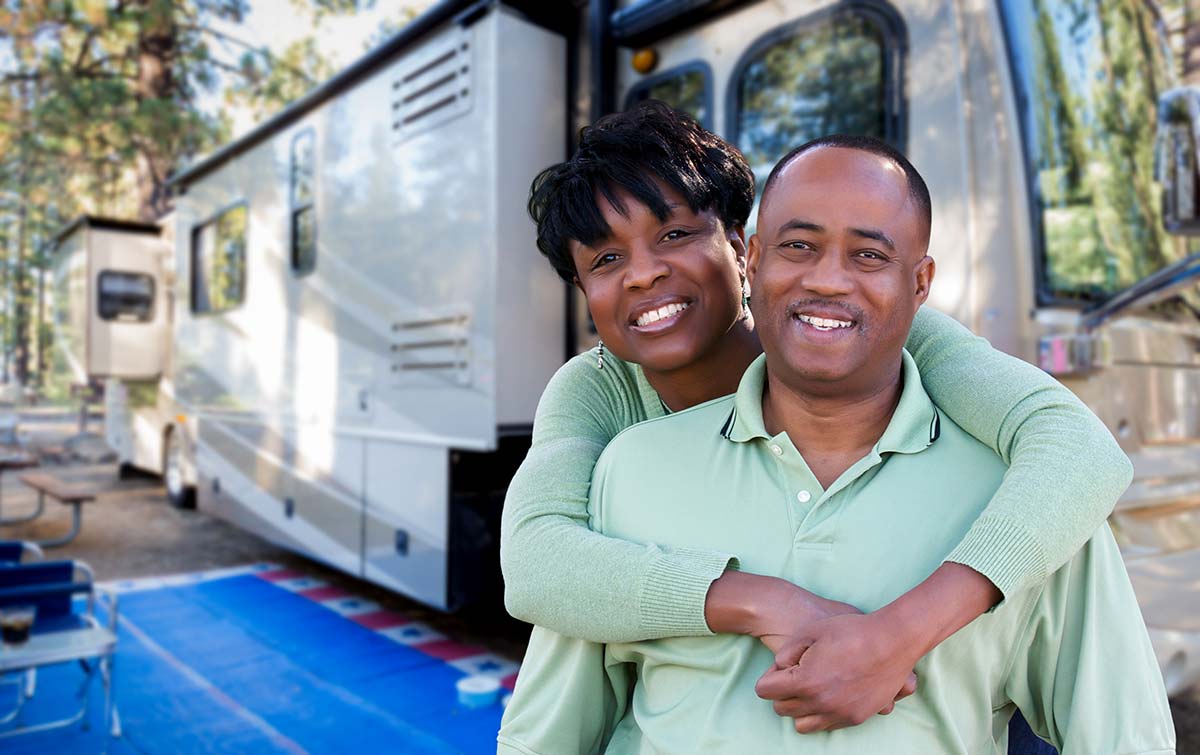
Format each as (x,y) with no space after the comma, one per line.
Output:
(753,256)
(924,278)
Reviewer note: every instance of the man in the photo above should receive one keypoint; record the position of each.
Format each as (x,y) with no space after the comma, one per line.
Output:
(831,462)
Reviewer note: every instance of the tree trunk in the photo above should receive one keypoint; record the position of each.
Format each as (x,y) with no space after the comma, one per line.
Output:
(157,50)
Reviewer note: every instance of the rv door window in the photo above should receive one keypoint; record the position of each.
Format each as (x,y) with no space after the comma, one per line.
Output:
(219,262)
(303,211)
(125,296)
(687,88)
(1089,76)
(831,73)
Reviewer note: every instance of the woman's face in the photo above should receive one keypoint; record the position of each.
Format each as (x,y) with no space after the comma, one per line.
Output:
(662,293)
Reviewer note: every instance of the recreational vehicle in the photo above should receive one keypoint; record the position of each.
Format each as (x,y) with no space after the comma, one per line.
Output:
(111,307)
(362,324)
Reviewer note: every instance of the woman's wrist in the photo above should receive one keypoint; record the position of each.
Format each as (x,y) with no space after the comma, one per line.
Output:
(752,604)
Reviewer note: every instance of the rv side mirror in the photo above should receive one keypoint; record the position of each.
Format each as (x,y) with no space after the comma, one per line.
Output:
(1177,165)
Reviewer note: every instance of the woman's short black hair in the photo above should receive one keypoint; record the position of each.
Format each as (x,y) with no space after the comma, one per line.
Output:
(628,151)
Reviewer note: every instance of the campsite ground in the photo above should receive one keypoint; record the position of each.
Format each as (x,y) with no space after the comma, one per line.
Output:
(131,532)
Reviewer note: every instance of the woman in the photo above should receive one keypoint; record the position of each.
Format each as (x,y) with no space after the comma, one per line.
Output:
(647,219)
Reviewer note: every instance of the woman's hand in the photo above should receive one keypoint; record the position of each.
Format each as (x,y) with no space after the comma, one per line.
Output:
(839,672)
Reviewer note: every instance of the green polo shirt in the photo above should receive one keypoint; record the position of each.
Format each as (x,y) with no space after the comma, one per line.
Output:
(1072,654)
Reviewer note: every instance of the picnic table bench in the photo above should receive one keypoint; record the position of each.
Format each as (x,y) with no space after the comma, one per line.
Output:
(67,493)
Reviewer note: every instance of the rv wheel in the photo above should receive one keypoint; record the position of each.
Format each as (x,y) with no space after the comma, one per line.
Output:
(180,495)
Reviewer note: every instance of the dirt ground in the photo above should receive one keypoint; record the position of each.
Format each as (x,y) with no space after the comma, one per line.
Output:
(130,531)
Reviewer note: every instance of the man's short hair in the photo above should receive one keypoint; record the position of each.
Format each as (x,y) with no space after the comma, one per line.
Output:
(627,151)
(917,190)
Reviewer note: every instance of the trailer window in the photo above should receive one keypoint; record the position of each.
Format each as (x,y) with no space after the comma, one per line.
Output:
(1089,76)
(835,72)
(219,262)
(125,296)
(687,87)
(303,208)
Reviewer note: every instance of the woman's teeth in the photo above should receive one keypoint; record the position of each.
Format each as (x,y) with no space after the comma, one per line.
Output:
(822,323)
(655,315)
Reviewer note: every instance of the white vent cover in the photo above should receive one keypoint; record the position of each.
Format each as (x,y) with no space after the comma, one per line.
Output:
(432,87)
(432,345)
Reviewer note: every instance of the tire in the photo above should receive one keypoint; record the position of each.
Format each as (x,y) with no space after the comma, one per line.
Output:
(179,494)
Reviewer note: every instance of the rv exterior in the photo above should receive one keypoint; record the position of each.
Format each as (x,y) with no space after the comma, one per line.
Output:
(111,313)
(363,324)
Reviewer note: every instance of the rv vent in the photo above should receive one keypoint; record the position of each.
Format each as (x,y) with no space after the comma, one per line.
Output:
(432,86)
(438,344)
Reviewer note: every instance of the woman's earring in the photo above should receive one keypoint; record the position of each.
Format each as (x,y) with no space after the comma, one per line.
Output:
(599,354)
(745,298)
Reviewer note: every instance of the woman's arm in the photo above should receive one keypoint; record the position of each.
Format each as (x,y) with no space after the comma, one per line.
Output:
(1065,475)
(560,574)
(1065,472)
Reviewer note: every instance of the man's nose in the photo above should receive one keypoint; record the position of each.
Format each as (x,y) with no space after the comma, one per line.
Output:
(644,267)
(829,276)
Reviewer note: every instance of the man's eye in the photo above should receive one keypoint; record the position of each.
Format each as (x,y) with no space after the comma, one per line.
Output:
(603,260)
(796,245)
(869,254)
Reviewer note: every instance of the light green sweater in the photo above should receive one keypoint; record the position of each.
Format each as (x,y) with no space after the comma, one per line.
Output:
(1065,475)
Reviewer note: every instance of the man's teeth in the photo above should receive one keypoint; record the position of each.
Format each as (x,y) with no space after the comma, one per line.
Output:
(822,323)
(655,315)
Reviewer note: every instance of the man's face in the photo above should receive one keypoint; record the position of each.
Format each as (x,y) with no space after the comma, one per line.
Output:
(837,271)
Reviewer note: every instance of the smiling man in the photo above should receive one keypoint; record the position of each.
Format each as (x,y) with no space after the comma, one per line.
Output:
(832,465)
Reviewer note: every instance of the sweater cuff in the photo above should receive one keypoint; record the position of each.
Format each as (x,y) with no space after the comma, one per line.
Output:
(675,588)
(1005,552)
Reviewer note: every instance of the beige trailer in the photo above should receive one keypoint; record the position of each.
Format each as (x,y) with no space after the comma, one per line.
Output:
(111,310)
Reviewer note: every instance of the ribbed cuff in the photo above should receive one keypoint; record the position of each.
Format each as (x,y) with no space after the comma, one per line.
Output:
(671,603)
(1002,550)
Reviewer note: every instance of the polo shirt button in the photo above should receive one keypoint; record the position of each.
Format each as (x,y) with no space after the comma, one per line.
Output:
(777,450)
(804,496)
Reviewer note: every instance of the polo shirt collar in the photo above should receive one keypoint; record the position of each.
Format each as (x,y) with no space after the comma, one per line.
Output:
(914,426)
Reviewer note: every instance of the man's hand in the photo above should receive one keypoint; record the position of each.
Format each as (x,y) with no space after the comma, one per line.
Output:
(839,672)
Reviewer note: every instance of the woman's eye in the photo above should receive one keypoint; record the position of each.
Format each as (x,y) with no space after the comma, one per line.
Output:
(674,235)
(603,260)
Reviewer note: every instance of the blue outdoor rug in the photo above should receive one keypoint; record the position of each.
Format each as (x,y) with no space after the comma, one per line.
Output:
(261,660)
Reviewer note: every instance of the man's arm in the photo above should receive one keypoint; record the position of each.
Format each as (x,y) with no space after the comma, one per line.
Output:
(564,702)
(1084,673)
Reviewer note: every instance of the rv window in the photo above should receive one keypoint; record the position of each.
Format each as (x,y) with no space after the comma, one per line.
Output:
(687,88)
(1089,78)
(219,262)
(303,211)
(125,296)
(831,73)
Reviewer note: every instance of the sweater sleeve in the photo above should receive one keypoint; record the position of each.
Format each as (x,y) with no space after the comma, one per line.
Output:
(560,574)
(1065,472)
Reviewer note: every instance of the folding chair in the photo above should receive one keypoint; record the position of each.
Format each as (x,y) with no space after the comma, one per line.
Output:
(59,634)
(13,551)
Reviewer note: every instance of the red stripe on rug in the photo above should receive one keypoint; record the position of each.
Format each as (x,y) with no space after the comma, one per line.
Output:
(278,575)
(379,619)
(448,650)
(328,592)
